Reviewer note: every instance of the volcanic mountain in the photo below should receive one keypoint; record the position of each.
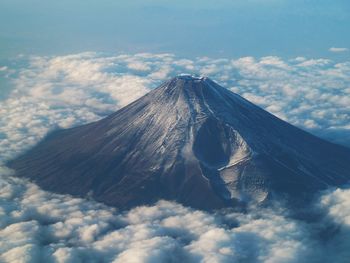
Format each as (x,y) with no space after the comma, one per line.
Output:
(191,141)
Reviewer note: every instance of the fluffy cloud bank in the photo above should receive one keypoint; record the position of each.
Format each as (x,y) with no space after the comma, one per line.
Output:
(69,90)
(51,92)
(37,226)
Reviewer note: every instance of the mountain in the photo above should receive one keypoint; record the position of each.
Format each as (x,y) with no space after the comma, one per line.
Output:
(188,140)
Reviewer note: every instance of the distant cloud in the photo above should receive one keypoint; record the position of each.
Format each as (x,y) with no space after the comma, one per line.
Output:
(63,91)
(338,49)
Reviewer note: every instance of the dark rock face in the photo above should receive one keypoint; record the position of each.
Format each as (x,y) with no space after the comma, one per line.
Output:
(192,141)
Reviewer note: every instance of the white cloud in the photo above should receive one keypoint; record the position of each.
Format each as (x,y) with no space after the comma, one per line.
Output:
(138,66)
(70,90)
(338,49)
(38,226)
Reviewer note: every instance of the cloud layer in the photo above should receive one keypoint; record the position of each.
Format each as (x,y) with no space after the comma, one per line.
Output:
(51,92)
(338,49)
(69,90)
(37,226)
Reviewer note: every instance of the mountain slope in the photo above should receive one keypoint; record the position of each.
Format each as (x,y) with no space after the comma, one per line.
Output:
(189,140)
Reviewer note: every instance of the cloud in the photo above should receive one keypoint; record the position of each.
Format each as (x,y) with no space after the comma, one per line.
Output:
(38,226)
(338,49)
(64,91)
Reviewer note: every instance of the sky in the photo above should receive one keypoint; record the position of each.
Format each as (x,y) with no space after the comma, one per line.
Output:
(70,62)
(222,28)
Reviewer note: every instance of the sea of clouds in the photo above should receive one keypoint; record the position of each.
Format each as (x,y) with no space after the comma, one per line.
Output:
(38,226)
(62,91)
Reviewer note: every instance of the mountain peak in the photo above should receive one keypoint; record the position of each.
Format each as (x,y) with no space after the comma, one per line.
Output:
(189,140)
(189,77)
(185,81)
(195,91)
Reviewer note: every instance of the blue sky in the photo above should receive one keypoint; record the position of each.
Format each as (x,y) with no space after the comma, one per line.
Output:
(232,28)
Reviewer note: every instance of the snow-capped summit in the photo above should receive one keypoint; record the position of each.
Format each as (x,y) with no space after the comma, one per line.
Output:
(192,141)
